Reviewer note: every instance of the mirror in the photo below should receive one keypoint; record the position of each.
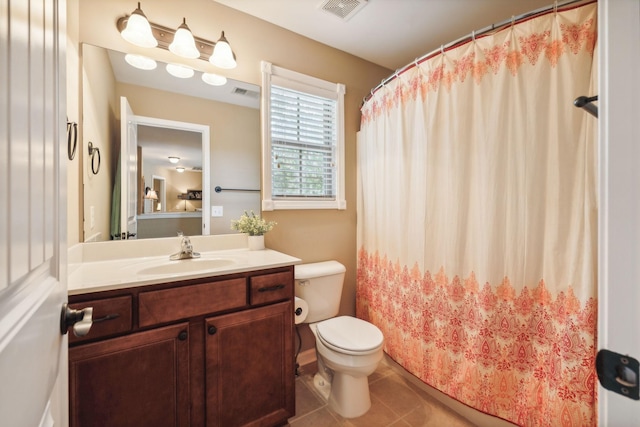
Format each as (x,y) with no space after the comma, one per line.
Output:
(231,112)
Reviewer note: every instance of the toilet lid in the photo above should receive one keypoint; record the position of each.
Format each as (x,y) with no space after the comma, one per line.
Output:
(350,334)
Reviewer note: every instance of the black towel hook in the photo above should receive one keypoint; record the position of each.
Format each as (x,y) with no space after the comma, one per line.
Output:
(92,152)
(585,103)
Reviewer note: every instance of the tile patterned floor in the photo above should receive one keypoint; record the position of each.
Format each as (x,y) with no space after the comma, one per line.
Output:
(394,402)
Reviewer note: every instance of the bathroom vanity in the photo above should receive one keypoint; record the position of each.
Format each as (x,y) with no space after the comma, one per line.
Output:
(214,348)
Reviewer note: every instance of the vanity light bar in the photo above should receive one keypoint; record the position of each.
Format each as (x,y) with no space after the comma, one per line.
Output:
(164,36)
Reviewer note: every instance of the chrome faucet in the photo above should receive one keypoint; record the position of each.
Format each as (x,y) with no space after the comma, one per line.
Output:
(186,249)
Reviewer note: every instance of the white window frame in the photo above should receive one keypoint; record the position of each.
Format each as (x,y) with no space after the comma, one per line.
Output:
(272,74)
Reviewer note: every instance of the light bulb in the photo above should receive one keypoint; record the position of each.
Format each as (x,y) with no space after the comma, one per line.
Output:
(138,31)
(223,56)
(183,43)
(180,71)
(214,79)
(140,62)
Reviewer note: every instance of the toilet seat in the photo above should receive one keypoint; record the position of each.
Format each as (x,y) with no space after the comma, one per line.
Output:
(349,335)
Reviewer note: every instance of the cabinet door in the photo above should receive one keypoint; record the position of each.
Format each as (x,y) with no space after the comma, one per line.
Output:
(137,380)
(250,376)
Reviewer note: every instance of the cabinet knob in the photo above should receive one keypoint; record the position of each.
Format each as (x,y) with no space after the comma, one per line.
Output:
(182,336)
(212,330)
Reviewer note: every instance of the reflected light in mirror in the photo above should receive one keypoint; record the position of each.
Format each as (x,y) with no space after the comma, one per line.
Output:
(180,71)
(183,43)
(174,160)
(140,62)
(214,79)
(138,30)
(180,169)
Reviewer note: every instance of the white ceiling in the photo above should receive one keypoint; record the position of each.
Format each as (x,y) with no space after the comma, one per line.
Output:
(390,33)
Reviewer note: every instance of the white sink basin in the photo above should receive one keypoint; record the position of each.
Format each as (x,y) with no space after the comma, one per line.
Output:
(188,266)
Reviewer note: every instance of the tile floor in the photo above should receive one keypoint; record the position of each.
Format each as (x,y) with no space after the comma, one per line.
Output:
(394,402)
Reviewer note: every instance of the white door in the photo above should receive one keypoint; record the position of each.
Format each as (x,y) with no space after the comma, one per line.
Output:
(33,363)
(619,193)
(128,171)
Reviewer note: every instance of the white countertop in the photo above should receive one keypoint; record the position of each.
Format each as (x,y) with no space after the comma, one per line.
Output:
(95,267)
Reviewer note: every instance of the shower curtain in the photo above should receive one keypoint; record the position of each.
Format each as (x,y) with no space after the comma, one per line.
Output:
(477,225)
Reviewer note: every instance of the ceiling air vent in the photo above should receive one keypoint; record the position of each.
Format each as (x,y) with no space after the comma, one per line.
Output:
(245,92)
(343,9)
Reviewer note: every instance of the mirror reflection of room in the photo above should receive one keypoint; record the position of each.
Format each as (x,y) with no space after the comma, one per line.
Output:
(231,112)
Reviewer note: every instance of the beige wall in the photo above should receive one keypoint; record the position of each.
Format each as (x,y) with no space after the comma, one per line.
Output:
(74,183)
(99,126)
(309,235)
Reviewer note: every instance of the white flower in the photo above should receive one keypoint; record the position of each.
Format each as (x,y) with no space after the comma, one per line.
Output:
(252,224)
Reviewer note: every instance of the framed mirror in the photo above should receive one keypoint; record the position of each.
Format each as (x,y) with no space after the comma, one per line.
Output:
(230,111)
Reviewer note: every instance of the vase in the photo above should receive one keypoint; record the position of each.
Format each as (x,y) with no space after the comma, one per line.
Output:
(256,243)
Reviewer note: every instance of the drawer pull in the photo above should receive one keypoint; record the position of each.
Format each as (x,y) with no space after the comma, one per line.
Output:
(182,336)
(107,317)
(212,330)
(271,288)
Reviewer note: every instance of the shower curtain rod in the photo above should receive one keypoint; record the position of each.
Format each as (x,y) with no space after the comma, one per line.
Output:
(472,36)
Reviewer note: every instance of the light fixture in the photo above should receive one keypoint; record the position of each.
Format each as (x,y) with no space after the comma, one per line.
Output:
(138,30)
(180,169)
(183,43)
(174,159)
(140,62)
(180,71)
(151,195)
(223,56)
(214,79)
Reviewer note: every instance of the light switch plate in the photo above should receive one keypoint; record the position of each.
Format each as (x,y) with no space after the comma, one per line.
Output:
(216,211)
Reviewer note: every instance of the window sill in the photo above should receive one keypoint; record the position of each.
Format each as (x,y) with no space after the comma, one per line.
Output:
(274,205)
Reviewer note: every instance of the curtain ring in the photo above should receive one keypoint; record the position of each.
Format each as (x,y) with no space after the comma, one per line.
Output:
(441,49)
(473,35)
(92,152)
(513,20)
(555,7)
(72,139)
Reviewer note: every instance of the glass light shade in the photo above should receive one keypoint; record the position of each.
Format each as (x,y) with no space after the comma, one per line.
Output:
(138,31)
(183,43)
(152,195)
(214,79)
(180,169)
(180,71)
(173,159)
(140,62)
(223,56)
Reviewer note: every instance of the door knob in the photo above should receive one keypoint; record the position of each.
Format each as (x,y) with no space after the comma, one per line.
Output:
(81,320)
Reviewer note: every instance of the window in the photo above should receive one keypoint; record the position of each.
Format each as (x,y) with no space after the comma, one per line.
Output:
(303,141)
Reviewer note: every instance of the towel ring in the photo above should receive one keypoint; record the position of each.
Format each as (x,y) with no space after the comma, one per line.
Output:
(92,152)
(72,139)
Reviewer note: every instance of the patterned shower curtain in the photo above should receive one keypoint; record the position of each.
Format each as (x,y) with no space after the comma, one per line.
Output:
(477,220)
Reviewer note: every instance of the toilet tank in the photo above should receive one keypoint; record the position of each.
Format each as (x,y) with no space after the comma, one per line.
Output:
(320,285)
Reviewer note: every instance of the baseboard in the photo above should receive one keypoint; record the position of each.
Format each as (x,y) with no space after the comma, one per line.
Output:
(307,362)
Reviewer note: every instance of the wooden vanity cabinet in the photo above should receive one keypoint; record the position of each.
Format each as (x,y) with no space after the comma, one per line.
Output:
(141,379)
(223,356)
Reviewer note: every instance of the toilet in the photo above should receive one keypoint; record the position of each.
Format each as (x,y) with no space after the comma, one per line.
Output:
(348,349)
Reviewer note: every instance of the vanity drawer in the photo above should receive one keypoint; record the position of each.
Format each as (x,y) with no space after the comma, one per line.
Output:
(183,302)
(111,316)
(271,287)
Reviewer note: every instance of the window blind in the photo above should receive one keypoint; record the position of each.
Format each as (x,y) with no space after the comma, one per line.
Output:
(303,145)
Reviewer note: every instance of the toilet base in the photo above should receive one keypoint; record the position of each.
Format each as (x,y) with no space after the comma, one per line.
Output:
(347,395)
(322,386)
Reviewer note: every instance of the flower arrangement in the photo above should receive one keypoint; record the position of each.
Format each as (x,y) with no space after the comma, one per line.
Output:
(252,224)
